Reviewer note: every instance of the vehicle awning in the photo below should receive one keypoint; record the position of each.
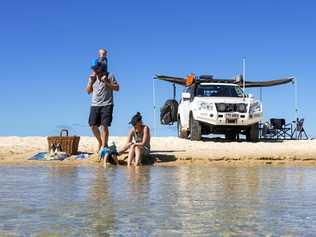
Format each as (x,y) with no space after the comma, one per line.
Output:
(248,84)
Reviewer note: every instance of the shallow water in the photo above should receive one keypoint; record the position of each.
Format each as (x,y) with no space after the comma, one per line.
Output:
(157,201)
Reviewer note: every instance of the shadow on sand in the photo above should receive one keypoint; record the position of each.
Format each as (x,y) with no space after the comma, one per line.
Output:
(223,140)
(154,157)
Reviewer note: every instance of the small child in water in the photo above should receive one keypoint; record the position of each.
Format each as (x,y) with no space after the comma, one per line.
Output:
(101,61)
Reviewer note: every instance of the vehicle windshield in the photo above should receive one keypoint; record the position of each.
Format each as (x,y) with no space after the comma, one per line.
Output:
(219,91)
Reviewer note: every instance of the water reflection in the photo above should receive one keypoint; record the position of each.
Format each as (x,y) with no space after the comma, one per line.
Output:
(99,210)
(156,201)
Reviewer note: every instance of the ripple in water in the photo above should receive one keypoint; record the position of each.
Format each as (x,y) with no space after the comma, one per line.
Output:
(157,201)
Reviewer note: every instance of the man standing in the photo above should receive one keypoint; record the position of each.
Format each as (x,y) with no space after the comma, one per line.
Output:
(101,86)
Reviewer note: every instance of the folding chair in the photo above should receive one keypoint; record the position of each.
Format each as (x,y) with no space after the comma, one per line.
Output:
(277,129)
(281,129)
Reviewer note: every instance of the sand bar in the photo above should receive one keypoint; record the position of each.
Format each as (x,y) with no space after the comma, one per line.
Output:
(173,150)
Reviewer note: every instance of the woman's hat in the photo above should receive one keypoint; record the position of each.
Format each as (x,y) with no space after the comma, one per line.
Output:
(136,118)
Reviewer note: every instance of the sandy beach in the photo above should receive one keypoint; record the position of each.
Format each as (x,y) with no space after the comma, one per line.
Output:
(173,151)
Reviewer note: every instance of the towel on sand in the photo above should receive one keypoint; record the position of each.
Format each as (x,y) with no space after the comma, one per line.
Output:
(46,156)
(59,156)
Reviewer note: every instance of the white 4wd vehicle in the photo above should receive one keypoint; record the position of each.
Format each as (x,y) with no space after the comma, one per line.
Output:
(218,108)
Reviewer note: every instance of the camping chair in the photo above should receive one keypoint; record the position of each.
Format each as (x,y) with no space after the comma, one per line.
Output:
(299,131)
(277,129)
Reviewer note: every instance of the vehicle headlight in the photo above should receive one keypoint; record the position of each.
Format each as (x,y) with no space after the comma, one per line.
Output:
(206,106)
(242,108)
(255,107)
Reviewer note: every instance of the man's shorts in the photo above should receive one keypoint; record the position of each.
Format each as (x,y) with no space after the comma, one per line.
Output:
(101,115)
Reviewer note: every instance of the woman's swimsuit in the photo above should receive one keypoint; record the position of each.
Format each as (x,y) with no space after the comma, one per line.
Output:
(138,138)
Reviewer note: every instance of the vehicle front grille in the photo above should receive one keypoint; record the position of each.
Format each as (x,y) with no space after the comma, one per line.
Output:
(228,107)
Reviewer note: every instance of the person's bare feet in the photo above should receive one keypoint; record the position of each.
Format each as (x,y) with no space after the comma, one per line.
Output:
(99,148)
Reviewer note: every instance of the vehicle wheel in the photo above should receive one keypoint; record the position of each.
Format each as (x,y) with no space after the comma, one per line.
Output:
(231,136)
(182,133)
(253,133)
(195,129)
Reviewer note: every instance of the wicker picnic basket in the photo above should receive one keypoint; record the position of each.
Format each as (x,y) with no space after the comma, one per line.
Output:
(68,144)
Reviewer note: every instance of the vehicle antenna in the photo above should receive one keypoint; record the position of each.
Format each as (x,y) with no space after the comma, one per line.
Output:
(244,74)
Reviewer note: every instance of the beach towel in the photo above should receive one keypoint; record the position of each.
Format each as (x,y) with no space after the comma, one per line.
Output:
(45,156)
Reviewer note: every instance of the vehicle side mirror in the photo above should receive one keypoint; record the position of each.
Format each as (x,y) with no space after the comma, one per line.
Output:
(186,96)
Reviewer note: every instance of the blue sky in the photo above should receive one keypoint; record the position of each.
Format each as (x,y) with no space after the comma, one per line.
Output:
(47,46)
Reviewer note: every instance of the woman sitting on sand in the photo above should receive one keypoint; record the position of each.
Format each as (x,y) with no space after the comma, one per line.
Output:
(138,141)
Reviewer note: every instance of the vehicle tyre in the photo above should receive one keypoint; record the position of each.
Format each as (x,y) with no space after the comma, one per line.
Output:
(195,129)
(253,133)
(182,133)
(231,136)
